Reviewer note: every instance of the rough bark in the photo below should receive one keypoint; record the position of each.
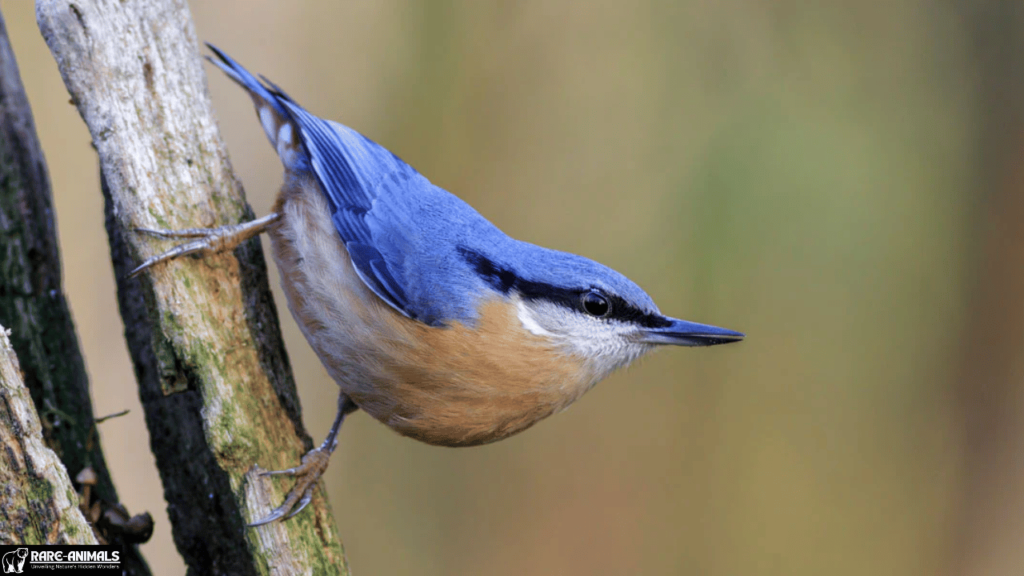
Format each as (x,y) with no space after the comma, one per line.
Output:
(40,506)
(32,300)
(203,334)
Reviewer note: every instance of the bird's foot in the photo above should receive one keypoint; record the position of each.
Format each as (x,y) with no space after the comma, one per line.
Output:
(204,241)
(314,463)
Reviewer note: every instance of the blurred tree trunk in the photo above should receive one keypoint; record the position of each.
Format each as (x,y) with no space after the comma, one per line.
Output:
(992,377)
(32,300)
(203,335)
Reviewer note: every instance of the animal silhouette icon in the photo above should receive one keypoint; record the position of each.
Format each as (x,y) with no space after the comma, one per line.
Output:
(14,561)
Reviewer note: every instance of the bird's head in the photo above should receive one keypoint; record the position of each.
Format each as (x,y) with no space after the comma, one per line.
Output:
(588,309)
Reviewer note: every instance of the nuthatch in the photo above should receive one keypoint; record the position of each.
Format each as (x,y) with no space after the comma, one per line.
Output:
(428,317)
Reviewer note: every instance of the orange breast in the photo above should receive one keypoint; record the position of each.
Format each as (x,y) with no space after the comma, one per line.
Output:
(452,386)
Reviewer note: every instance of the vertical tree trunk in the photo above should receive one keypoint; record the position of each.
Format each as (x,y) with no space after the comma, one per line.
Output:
(32,300)
(203,334)
(992,379)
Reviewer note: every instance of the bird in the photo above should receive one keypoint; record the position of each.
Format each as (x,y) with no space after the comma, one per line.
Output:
(427,316)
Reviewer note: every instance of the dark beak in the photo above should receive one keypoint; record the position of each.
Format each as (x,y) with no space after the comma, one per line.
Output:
(683,333)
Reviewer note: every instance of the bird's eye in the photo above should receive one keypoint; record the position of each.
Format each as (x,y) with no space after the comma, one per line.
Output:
(595,304)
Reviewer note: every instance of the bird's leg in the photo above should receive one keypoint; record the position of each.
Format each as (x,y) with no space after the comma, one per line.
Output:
(205,241)
(313,465)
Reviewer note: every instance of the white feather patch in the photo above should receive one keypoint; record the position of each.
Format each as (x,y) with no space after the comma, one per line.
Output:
(284,135)
(604,345)
(525,316)
(267,121)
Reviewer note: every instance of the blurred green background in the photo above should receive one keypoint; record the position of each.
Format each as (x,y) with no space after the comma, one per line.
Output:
(841,181)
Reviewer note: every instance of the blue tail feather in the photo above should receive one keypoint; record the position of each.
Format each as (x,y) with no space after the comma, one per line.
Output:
(239,74)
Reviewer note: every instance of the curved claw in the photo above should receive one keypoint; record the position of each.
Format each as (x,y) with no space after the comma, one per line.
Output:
(177,251)
(314,463)
(168,234)
(277,514)
(291,506)
(205,241)
(306,498)
(309,471)
(289,472)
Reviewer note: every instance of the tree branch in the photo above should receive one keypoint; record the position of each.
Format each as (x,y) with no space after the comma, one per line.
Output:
(203,334)
(32,303)
(39,505)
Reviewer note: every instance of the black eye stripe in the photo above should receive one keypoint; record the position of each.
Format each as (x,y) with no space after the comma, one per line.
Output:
(504,281)
(626,312)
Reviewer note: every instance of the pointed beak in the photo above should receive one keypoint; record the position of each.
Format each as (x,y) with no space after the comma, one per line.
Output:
(683,333)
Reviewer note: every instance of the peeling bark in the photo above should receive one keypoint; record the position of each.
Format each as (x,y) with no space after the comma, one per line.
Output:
(40,506)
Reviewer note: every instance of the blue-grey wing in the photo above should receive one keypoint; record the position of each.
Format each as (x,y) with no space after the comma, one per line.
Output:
(402,233)
(351,170)
(384,210)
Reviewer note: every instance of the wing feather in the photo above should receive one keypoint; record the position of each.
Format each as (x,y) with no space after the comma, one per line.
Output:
(354,172)
(396,225)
